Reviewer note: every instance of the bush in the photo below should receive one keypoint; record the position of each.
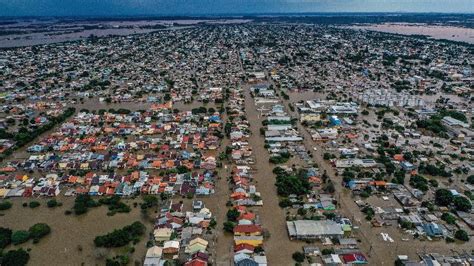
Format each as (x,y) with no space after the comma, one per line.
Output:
(5,205)
(461,235)
(17,257)
(462,204)
(39,230)
(34,204)
(5,237)
(52,203)
(20,237)
(298,256)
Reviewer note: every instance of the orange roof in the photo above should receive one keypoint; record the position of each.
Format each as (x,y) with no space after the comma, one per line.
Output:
(398,157)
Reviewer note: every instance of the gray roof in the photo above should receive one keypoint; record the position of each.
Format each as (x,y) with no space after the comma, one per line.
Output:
(310,228)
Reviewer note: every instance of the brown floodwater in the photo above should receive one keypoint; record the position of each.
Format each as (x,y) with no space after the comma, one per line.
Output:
(71,239)
(458,34)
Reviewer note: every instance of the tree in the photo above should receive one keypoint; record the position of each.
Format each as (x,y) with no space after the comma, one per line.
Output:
(462,204)
(461,235)
(229,226)
(34,204)
(19,237)
(17,257)
(233,214)
(443,197)
(5,205)
(121,237)
(52,203)
(5,237)
(470,179)
(38,231)
(298,256)
(327,251)
(448,218)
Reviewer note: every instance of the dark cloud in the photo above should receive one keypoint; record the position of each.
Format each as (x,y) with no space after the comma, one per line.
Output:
(200,7)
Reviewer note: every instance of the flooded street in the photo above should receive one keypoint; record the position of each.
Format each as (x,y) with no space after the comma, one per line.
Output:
(278,246)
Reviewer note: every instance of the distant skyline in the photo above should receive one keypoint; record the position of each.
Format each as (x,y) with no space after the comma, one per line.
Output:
(222,7)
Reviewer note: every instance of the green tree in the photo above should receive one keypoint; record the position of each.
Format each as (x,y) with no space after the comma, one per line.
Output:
(39,230)
(19,237)
(17,257)
(461,235)
(52,203)
(229,226)
(298,256)
(443,197)
(34,204)
(448,218)
(233,214)
(462,204)
(5,205)
(470,179)
(5,237)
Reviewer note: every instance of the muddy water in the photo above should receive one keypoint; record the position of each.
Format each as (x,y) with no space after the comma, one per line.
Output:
(278,247)
(70,233)
(437,32)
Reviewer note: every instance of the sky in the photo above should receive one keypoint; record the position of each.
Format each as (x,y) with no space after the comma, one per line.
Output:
(222,7)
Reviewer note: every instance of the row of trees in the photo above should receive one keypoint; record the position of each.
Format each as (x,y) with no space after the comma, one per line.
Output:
(35,232)
(121,237)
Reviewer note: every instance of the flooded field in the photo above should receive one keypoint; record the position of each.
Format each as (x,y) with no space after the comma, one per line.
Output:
(71,239)
(436,32)
(27,33)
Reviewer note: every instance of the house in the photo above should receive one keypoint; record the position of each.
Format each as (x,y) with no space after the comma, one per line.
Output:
(244,248)
(311,251)
(354,258)
(196,245)
(251,240)
(332,259)
(171,247)
(433,229)
(162,234)
(247,230)
(153,256)
(335,121)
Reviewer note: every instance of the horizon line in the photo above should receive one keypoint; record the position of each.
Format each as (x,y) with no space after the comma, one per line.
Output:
(243,14)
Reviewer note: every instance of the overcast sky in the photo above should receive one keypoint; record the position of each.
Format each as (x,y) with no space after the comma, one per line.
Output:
(220,7)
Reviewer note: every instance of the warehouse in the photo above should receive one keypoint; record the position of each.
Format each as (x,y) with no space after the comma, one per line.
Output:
(309,229)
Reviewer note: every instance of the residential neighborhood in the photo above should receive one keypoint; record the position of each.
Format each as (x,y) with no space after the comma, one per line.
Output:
(248,143)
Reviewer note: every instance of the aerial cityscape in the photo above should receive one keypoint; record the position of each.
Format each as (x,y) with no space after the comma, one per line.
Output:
(247,140)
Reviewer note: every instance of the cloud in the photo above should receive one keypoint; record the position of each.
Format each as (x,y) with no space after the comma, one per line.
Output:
(200,7)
